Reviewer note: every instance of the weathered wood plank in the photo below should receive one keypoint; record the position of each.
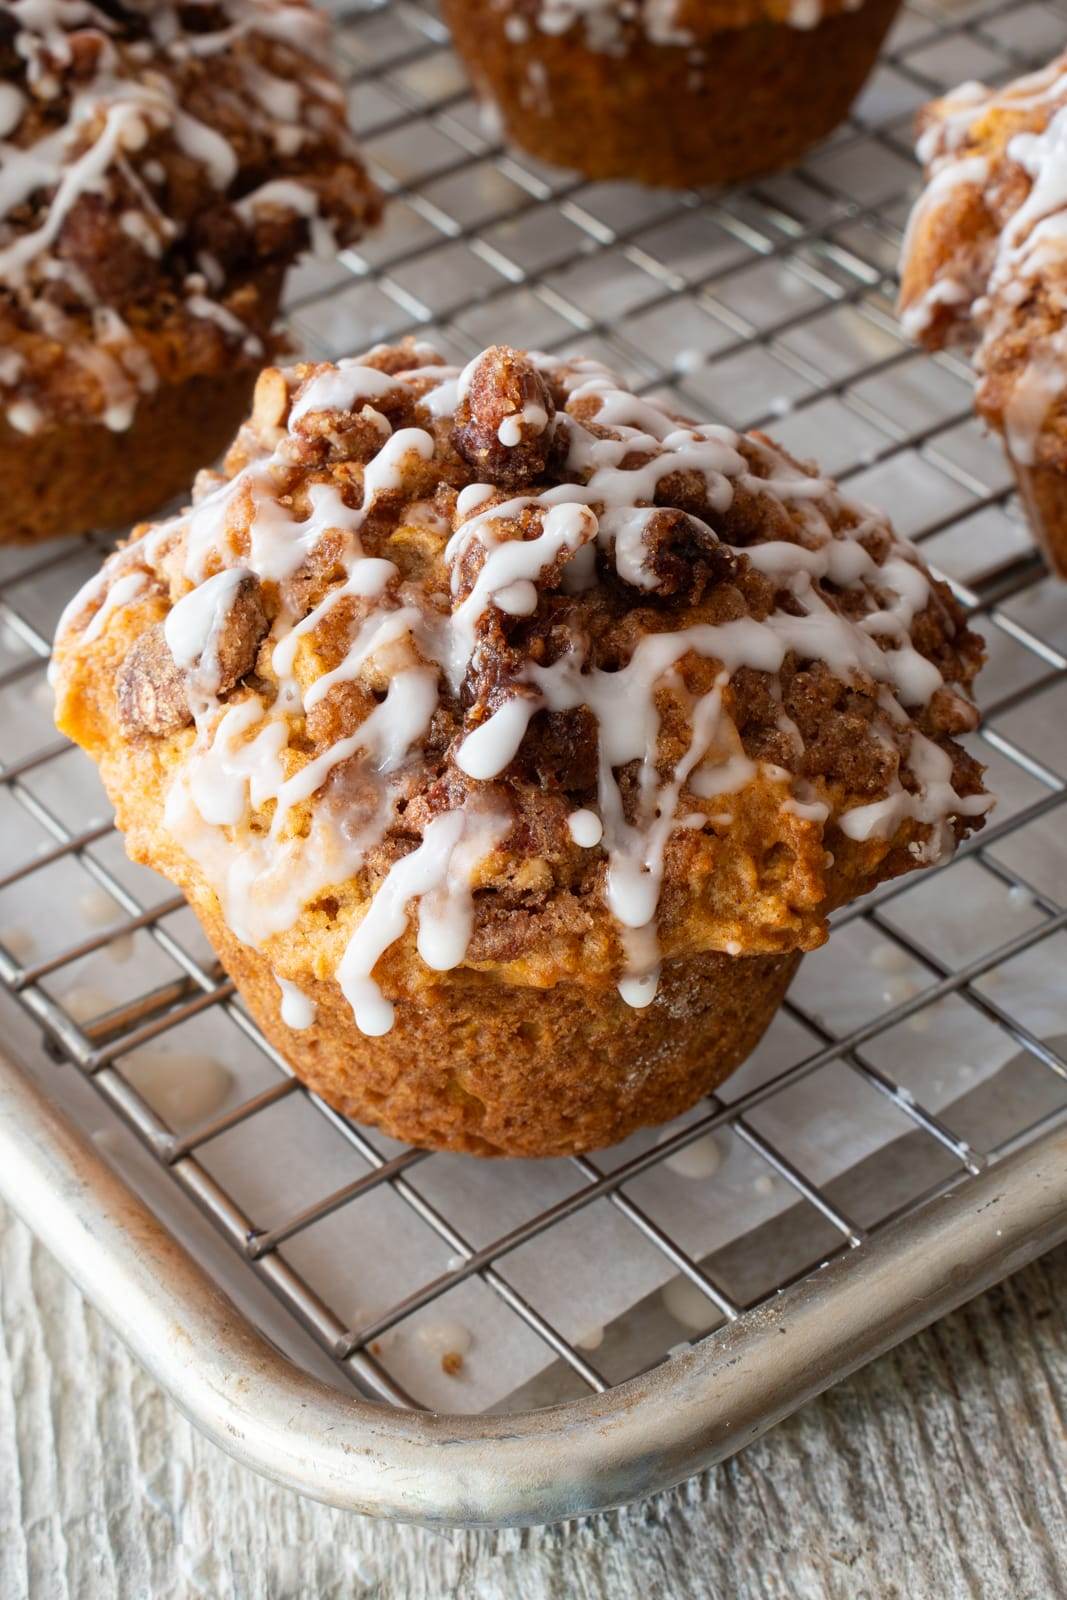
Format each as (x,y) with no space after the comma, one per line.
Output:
(939,1472)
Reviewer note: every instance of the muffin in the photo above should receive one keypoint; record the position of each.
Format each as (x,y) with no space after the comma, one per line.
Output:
(984,265)
(162,165)
(671,92)
(512,737)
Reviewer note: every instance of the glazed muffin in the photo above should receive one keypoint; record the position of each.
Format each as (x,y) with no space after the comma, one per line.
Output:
(984,265)
(511,737)
(671,92)
(161,165)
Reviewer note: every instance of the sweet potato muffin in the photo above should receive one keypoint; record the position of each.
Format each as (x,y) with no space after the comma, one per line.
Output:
(985,265)
(161,164)
(671,92)
(511,737)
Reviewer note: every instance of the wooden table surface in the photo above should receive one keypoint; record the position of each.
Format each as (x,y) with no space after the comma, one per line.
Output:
(940,1471)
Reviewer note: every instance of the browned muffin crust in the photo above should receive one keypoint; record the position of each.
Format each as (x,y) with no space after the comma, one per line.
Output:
(690,95)
(622,658)
(490,1069)
(79,475)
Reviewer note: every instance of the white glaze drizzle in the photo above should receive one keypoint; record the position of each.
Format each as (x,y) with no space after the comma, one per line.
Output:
(242,761)
(586,828)
(24,416)
(297,1010)
(438,874)
(121,594)
(194,626)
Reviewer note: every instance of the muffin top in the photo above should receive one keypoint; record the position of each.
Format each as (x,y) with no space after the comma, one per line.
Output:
(592,685)
(985,255)
(160,164)
(613,26)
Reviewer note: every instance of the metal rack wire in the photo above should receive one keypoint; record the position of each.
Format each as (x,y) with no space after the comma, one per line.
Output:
(769,306)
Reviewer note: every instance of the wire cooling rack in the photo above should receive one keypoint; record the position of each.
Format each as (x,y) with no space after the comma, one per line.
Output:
(917,1075)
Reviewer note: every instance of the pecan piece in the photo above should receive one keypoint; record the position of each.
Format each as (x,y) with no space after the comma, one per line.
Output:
(270,405)
(211,649)
(239,634)
(948,712)
(666,551)
(503,423)
(151,688)
(214,632)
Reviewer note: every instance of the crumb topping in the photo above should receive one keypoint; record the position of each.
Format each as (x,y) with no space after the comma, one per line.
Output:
(160,165)
(525,667)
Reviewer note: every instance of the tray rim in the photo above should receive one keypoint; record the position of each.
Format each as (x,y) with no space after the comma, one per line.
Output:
(572,1459)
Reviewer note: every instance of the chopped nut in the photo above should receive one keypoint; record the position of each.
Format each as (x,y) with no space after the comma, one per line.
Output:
(151,688)
(671,553)
(503,425)
(948,712)
(270,402)
(85,50)
(237,641)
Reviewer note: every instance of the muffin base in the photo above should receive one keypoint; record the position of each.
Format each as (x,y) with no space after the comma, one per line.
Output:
(1043,491)
(77,478)
(492,1069)
(767,92)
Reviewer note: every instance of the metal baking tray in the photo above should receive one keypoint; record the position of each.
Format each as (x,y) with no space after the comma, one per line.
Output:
(898,1143)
